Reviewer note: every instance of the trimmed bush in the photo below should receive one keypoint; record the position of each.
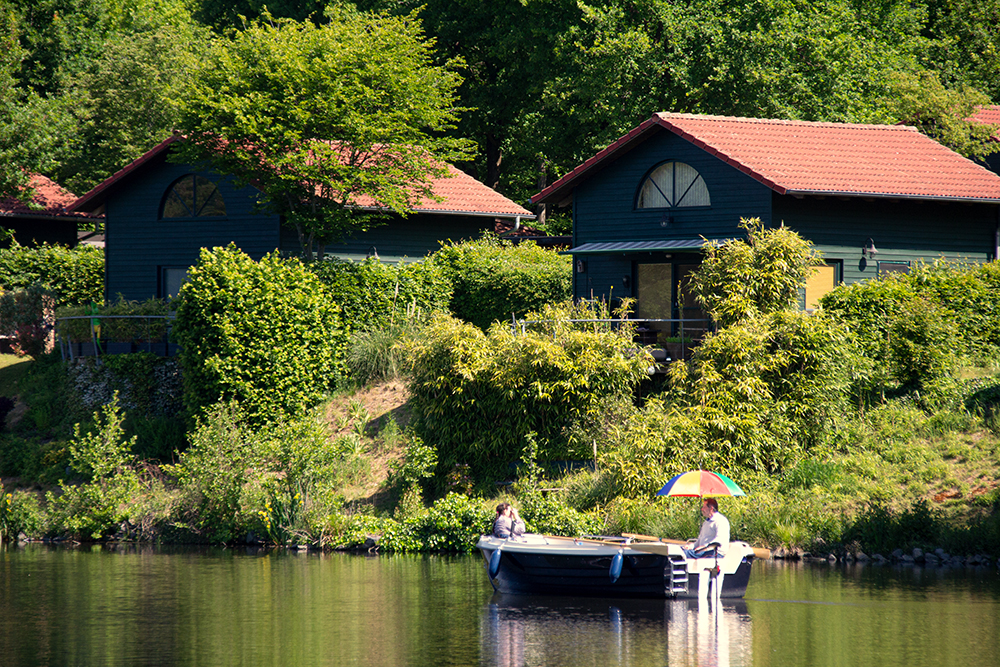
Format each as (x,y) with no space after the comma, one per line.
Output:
(493,279)
(129,329)
(266,334)
(373,294)
(74,276)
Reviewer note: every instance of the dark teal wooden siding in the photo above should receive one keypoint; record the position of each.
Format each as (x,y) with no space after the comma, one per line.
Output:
(139,244)
(400,238)
(604,209)
(904,230)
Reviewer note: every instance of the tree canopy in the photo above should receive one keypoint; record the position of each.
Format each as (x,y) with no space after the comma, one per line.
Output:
(88,85)
(325,119)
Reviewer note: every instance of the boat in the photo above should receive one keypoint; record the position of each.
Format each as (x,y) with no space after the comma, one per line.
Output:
(630,566)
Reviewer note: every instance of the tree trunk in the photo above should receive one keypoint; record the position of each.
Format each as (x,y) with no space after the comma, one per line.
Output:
(541,210)
(305,242)
(493,159)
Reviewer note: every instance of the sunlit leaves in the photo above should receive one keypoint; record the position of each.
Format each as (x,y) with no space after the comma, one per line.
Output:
(325,118)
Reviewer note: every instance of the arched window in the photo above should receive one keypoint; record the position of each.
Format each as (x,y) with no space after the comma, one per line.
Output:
(193,197)
(673,184)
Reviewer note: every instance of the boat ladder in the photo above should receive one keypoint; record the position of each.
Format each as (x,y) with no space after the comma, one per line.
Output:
(678,575)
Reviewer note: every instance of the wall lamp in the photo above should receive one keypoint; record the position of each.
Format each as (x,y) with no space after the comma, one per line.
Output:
(869,250)
(581,266)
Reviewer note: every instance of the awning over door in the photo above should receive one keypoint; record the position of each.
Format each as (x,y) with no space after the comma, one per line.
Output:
(623,247)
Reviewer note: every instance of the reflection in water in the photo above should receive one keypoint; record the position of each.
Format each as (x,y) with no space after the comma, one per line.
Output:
(533,630)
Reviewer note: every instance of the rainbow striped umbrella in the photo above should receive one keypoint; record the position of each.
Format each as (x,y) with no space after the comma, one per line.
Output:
(699,483)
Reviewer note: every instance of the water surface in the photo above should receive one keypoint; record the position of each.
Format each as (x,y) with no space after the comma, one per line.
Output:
(149,606)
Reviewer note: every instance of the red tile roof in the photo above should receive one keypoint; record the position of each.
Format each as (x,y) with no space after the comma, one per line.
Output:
(460,193)
(800,157)
(987,115)
(50,199)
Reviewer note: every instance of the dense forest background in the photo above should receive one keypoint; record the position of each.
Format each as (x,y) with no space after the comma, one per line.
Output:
(86,86)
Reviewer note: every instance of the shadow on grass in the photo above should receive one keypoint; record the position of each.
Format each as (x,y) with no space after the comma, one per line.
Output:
(12,369)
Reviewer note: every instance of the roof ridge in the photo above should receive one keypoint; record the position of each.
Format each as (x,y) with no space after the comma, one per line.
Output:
(667,115)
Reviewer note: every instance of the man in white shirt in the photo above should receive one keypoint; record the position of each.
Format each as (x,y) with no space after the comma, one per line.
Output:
(715,530)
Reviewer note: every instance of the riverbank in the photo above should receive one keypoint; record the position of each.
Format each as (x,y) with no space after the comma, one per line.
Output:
(896,479)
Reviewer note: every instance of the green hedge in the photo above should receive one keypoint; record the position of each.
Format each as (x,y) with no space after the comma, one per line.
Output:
(493,279)
(74,276)
(266,334)
(915,327)
(373,294)
(128,329)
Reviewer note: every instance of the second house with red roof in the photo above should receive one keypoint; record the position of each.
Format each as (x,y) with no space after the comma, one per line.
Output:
(873,199)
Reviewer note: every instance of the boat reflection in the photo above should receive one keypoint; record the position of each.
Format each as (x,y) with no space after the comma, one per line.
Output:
(527,630)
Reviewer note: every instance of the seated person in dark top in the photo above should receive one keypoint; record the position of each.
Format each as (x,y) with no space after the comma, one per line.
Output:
(508,523)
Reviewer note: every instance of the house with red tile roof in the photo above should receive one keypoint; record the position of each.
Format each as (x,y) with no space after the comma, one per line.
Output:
(873,199)
(46,218)
(159,214)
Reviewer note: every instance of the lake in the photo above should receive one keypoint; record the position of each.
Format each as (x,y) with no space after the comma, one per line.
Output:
(96,605)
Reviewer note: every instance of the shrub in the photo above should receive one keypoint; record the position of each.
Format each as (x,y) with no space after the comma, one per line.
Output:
(95,508)
(131,328)
(375,295)
(20,512)
(742,279)
(476,396)
(74,276)
(274,480)
(264,333)
(879,530)
(916,327)
(493,279)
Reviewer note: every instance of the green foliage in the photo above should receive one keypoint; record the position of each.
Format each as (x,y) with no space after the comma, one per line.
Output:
(264,333)
(27,315)
(274,480)
(550,516)
(94,509)
(126,98)
(374,295)
(74,276)
(742,279)
(95,80)
(916,328)
(476,396)
(406,476)
(132,327)
(879,530)
(20,512)
(323,116)
(494,280)
(921,345)
(377,355)
(944,115)
(453,523)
